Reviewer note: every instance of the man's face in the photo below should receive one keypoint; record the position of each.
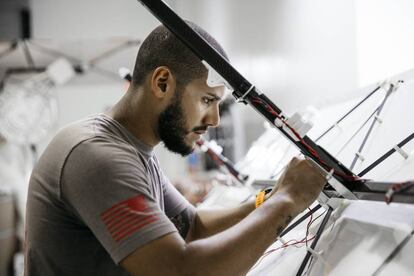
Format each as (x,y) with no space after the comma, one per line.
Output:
(192,110)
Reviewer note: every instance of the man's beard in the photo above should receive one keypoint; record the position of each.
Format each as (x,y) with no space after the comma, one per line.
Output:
(172,127)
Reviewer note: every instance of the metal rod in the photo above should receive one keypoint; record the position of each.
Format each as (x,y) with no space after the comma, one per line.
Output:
(357,131)
(54,52)
(300,220)
(78,68)
(361,147)
(315,241)
(112,51)
(347,114)
(386,155)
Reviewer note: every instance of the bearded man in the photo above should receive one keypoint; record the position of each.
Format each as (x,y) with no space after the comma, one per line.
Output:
(99,204)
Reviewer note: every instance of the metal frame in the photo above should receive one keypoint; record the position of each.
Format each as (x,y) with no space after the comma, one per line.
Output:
(342,181)
(79,65)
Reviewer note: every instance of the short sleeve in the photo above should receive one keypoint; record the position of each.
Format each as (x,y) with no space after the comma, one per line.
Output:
(175,202)
(107,187)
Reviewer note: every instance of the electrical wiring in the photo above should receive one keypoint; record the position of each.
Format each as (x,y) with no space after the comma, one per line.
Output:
(222,161)
(311,222)
(308,248)
(293,242)
(299,220)
(257,100)
(397,188)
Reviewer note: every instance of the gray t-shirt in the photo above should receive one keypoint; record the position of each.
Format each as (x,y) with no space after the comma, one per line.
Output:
(97,194)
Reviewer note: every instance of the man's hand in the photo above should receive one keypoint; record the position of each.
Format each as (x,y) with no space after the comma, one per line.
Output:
(302,181)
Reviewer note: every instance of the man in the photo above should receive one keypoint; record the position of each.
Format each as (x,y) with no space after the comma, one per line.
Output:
(100,205)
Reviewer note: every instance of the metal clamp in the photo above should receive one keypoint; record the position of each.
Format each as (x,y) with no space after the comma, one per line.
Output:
(360,156)
(379,120)
(241,99)
(401,152)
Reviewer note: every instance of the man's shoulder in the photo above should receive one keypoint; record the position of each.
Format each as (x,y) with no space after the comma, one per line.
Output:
(90,132)
(92,142)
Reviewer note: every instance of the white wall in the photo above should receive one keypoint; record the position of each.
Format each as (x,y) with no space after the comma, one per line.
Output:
(385,38)
(77,19)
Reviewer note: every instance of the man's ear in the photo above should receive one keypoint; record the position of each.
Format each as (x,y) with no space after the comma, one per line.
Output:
(162,82)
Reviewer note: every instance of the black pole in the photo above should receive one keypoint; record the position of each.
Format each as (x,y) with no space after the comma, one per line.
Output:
(347,114)
(361,147)
(386,155)
(315,241)
(300,220)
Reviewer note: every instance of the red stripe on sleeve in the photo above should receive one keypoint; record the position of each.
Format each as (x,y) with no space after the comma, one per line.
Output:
(127,217)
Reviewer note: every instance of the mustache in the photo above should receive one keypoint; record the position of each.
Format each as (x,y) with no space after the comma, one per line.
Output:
(198,128)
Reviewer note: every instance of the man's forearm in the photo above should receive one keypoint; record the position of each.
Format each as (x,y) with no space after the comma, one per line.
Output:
(250,236)
(210,222)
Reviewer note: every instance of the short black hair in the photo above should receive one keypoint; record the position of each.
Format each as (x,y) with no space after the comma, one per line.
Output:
(163,48)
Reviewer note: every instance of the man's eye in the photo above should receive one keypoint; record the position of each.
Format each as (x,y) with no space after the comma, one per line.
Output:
(207,100)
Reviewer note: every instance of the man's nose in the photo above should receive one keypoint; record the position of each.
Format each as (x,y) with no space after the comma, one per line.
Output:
(212,118)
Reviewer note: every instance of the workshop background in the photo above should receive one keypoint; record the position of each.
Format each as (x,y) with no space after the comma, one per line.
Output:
(303,54)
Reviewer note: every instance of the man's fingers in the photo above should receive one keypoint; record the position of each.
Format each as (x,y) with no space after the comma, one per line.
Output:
(316,167)
(293,162)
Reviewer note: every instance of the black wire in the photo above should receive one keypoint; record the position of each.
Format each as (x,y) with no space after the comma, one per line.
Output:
(359,129)
(349,112)
(315,241)
(300,220)
(386,155)
(310,224)
(361,147)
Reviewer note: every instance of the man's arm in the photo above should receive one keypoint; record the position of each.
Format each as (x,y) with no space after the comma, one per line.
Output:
(209,222)
(234,250)
(231,252)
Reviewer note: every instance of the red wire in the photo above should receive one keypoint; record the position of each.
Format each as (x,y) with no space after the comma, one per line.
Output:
(397,188)
(288,243)
(390,193)
(309,148)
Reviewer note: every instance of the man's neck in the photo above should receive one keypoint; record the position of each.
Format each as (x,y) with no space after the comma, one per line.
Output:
(136,114)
